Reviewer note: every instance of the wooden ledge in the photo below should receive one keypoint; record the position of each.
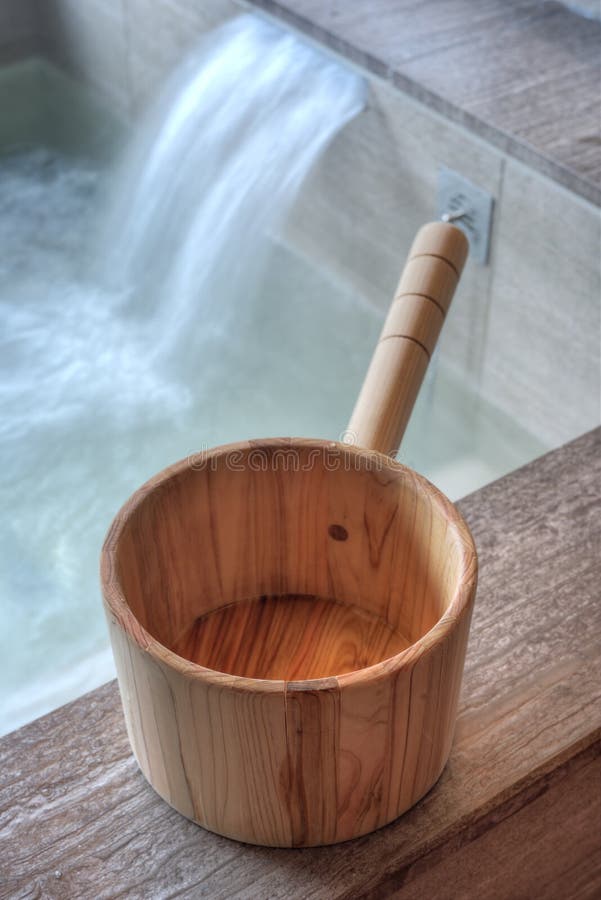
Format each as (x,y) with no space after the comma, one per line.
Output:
(514,814)
(438,55)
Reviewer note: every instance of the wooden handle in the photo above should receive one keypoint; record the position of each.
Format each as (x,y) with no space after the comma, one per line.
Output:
(408,338)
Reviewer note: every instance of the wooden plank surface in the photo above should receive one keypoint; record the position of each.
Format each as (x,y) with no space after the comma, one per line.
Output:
(78,820)
(523,74)
(548,849)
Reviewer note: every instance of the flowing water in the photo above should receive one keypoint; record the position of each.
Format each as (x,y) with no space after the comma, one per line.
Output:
(212,172)
(121,347)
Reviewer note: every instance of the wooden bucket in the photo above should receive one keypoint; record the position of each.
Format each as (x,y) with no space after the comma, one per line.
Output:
(289,617)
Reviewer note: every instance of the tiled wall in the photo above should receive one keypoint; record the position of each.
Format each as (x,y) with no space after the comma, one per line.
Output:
(160,32)
(375,187)
(89,40)
(18,29)
(124,47)
(543,340)
(525,329)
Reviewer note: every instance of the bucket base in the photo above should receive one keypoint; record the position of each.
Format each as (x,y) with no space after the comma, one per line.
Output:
(289,637)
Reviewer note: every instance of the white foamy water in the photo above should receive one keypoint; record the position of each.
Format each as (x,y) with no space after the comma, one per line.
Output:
(119,360)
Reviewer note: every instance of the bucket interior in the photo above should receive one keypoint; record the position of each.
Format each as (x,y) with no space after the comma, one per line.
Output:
(289,561)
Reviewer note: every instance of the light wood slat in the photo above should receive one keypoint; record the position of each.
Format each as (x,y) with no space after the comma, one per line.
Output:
(422,298)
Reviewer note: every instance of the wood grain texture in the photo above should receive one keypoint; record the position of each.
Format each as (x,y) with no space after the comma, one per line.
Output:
(523,75)
(77,818)
(408,338)
(289,637)
(548,848)
(274,744)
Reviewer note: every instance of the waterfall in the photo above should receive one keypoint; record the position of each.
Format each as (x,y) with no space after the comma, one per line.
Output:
(214,168)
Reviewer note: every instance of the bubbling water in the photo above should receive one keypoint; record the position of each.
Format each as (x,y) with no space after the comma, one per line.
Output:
(115,352)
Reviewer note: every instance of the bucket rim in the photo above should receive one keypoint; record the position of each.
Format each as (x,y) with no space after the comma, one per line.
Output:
(120,613)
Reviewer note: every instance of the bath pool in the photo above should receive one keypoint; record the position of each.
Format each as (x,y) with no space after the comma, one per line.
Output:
(86,419)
